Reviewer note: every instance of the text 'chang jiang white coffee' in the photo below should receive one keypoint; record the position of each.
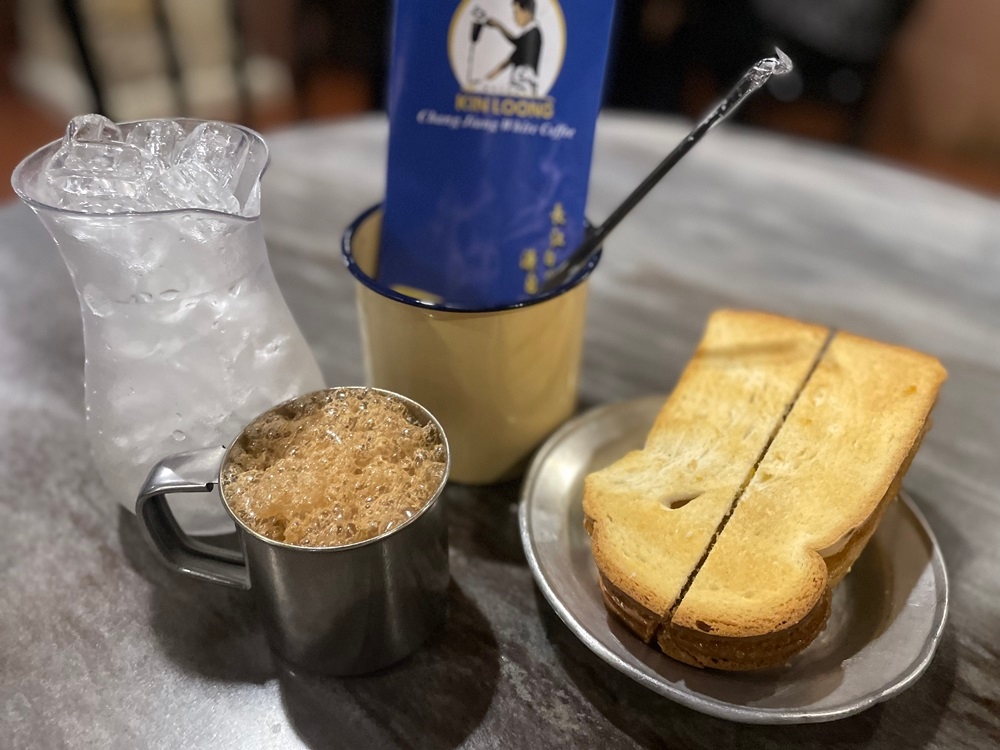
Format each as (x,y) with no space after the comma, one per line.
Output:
(492,108)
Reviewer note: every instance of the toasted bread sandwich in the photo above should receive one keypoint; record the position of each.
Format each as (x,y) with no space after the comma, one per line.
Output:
(762,479)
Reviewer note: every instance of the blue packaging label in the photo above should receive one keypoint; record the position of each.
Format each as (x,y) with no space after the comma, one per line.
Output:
(492,107)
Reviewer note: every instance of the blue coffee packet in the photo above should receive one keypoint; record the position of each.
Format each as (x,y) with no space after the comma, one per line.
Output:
(492,107)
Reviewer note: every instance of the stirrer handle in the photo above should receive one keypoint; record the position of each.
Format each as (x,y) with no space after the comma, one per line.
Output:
(752,80)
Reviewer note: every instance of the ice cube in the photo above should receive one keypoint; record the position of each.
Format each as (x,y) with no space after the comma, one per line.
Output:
(92,129)
(220,150)
(157,167)
(161,139)
(188,184)
(97,176)
(202,229)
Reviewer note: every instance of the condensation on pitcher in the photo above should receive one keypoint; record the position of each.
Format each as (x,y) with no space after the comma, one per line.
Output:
(341,467)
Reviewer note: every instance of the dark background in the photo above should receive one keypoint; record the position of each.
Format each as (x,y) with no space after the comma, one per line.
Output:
(913,81)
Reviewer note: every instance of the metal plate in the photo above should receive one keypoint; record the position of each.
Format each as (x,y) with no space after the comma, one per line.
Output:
(886,619)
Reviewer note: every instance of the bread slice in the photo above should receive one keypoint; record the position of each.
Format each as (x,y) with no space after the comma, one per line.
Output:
(652,515)
(812,504)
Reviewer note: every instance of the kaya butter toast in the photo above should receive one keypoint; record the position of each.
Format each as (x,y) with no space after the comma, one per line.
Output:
(805,504)
(652,514)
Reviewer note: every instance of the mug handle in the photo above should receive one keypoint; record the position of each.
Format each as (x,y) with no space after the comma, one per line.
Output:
(195,471)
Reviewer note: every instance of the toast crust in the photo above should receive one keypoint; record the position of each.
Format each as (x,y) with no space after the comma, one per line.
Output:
(705,650)
(839,564)
(641,621)
(837,462)
(696,457)
(700,649)
(706,630)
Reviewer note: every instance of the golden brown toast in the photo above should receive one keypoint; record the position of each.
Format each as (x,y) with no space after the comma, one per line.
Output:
(652,514)
(759,587)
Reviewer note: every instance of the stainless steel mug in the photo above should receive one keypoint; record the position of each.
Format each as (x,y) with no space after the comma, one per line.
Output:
(332,610)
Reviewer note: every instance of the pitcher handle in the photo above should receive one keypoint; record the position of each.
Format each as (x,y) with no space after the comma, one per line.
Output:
(194,471)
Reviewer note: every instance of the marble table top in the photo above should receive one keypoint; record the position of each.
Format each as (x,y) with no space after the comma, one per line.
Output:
(101,646)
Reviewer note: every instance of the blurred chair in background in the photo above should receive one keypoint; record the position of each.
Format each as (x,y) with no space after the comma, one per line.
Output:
(341,46)
(147,58)
(937,101)
(912,79)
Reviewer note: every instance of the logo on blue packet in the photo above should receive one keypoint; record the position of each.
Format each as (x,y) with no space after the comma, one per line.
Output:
(492,110)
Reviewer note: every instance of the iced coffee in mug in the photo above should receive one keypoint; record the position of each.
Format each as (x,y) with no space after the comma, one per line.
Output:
(336,497)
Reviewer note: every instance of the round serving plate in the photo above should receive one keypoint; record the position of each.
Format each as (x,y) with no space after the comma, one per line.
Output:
(886,619)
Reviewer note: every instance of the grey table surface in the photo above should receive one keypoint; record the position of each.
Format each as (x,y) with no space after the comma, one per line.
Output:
(102,647)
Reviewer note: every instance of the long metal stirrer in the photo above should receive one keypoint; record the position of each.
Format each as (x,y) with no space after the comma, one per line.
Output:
(752,80)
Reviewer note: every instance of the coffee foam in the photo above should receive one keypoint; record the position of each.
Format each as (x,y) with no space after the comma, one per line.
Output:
(333,468)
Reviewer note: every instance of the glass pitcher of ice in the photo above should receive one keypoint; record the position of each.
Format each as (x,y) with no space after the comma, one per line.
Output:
(186,333)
